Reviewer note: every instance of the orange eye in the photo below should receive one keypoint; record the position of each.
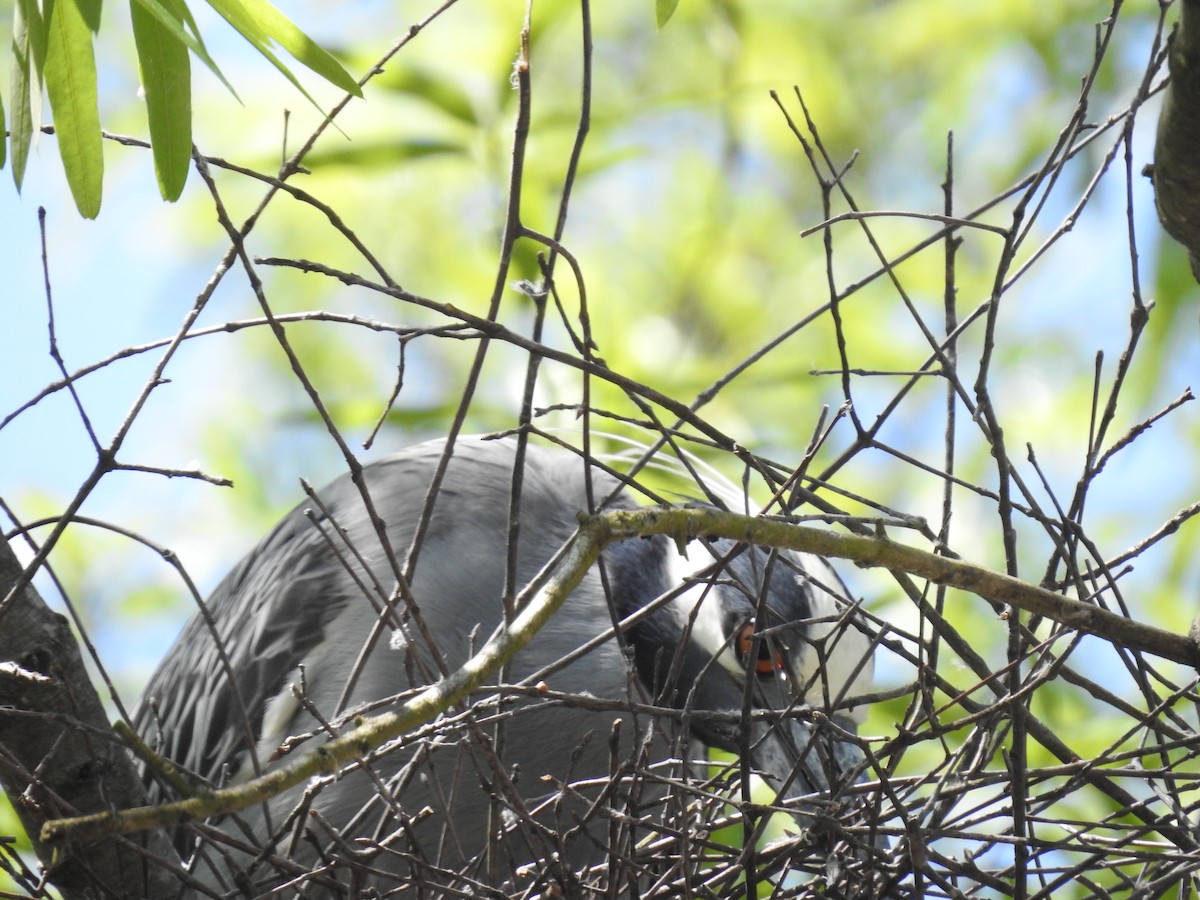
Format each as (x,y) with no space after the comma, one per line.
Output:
(769,660)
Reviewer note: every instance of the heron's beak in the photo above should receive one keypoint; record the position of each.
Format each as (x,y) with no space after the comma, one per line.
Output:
(799,754)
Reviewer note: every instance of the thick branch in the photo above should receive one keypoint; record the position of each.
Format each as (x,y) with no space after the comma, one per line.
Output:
(548,591)
(872,552)
(541,599)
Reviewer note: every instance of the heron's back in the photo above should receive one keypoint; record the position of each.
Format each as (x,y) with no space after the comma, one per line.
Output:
(311,627)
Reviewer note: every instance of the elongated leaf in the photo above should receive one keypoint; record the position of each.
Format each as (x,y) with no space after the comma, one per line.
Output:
(663,10)
(3,130)
(28,33)
(167,82)
(34,23)
(90,11)
(70,74)
(176,18)
(259,22)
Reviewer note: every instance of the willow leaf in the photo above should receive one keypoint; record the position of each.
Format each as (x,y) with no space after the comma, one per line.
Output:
(70,74)
(167,82)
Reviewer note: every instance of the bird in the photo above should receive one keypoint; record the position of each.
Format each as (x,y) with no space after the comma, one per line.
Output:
(570,760)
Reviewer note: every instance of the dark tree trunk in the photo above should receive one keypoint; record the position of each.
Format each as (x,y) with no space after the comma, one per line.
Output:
(59,755)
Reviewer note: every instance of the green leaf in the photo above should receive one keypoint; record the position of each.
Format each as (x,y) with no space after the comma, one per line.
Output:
(70,73)
(177,19)
(90,11)
(167,82)
(259,22)
(663,10)
(34,22)
(28,34)
(3,130)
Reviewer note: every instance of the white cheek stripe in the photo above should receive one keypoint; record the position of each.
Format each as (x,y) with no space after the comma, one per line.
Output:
(708,628)
(845,647)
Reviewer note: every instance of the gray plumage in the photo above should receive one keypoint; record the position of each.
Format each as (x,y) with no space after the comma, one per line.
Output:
(308,608)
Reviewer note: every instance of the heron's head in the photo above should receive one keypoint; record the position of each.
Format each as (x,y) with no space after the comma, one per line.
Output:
(749,642)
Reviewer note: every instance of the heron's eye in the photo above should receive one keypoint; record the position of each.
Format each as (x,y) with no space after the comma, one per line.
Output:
(769,659)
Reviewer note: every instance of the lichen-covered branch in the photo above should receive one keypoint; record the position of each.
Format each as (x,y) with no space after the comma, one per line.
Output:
(544,595)
(560,577)
(878,552)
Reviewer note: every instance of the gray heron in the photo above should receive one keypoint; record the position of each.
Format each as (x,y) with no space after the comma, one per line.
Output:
(570,761)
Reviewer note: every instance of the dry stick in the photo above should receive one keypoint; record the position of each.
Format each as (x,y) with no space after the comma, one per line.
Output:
(554,584)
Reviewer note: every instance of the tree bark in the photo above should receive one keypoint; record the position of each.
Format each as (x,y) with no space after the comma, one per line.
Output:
(1176,171)
(59,755)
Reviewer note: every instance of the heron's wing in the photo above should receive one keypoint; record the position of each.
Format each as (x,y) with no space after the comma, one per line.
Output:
(203,708)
